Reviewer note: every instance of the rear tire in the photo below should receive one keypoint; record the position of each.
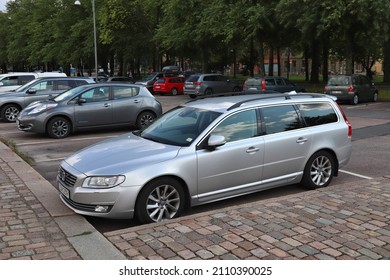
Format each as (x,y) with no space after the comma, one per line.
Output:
(208,91)
(355,100)
(174,91)
(375,97)
(144,119)
(10,112)
(162,199)
(319,171)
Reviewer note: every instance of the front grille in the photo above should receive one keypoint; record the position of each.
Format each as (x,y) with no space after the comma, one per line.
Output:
(66,178)
(80,206)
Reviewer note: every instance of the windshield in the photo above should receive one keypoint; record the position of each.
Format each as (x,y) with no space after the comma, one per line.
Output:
(69,94)
(180,126)
(26,86)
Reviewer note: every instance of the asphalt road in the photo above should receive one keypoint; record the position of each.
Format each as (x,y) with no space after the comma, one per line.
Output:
(370,156)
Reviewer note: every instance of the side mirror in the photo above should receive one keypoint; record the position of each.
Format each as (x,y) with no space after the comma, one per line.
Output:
(1,84)
(81,101)
(31,91)
(215,141)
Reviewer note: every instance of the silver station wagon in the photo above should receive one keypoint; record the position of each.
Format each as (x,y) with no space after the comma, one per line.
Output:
(207,150)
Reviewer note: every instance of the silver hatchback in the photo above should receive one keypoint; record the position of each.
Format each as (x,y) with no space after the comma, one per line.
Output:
(207,150)
(91,106)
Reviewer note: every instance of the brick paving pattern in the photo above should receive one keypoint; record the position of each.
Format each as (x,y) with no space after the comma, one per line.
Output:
(349,221)
(27,231)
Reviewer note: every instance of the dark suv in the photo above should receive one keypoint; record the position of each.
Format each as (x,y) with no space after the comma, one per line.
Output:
(277,84)
(208,84)
(11,103)
(352,88)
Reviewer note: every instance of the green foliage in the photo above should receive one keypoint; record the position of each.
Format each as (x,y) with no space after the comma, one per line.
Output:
(44,33)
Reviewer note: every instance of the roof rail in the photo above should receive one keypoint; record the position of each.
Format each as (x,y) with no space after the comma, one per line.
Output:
(286,96)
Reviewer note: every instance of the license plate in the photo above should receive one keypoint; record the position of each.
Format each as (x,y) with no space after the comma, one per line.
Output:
(336,91)
(157,86)
(189,86)
(64,191)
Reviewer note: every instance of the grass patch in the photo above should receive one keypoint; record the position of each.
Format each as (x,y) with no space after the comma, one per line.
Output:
(13,147)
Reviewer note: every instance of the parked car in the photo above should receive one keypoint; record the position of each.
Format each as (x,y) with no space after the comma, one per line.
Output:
(207,150)
(169,85)
(278,84)
(209,84)
(352,88)
(149,80)
(91,106)
(11,103)
(12,81)
(119,79)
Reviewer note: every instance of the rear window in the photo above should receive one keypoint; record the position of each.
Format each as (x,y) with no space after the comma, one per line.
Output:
(160,81)
(339,81)
(318,113)
(193,78)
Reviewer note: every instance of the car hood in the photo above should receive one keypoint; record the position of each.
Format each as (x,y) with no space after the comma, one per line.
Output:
(120,155)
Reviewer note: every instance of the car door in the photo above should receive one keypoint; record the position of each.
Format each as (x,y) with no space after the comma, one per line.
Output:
(41,90)
(365,88)
(286,143)
(94,108)
(224,84)
(126,104)
(235,167)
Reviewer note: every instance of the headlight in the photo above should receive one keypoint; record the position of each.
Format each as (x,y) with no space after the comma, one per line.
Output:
(103,182)
(42,107)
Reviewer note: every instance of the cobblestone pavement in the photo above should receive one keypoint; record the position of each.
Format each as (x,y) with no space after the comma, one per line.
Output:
(349,221)
(27,230)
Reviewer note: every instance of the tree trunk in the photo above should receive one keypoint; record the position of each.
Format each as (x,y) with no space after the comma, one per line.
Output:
(386,62)
(325,69)
(271,61)
(261,59)
(315,62)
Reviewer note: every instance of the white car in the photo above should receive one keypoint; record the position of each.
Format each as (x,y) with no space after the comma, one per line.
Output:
(12,81)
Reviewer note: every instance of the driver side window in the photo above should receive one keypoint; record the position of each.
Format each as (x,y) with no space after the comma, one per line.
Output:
(242,125)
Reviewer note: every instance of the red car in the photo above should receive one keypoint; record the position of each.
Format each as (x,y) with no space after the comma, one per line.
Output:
(166,85)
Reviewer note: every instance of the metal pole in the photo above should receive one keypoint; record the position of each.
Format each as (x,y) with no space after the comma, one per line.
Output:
(94,39)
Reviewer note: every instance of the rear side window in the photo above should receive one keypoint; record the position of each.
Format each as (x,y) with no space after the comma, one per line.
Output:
(269,82)
(280,118)
(160,81)
(125,92)
(318,113)
(81,82)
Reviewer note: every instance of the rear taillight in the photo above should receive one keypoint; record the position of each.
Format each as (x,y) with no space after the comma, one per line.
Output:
(263,86)
(325,89)
(244,85)
(197,83)
(346,121)
(351,89)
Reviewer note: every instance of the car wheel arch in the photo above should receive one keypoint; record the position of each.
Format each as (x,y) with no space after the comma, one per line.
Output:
(180,181)
(319,153)
(73,129)
(4,106)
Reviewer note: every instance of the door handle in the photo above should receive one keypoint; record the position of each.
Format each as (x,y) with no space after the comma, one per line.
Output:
(107,105)
(301,140)
(137,101)
(252,150)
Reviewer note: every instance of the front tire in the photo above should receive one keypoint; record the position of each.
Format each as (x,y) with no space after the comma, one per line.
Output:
(58,128)
(162,199)
(319,170)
